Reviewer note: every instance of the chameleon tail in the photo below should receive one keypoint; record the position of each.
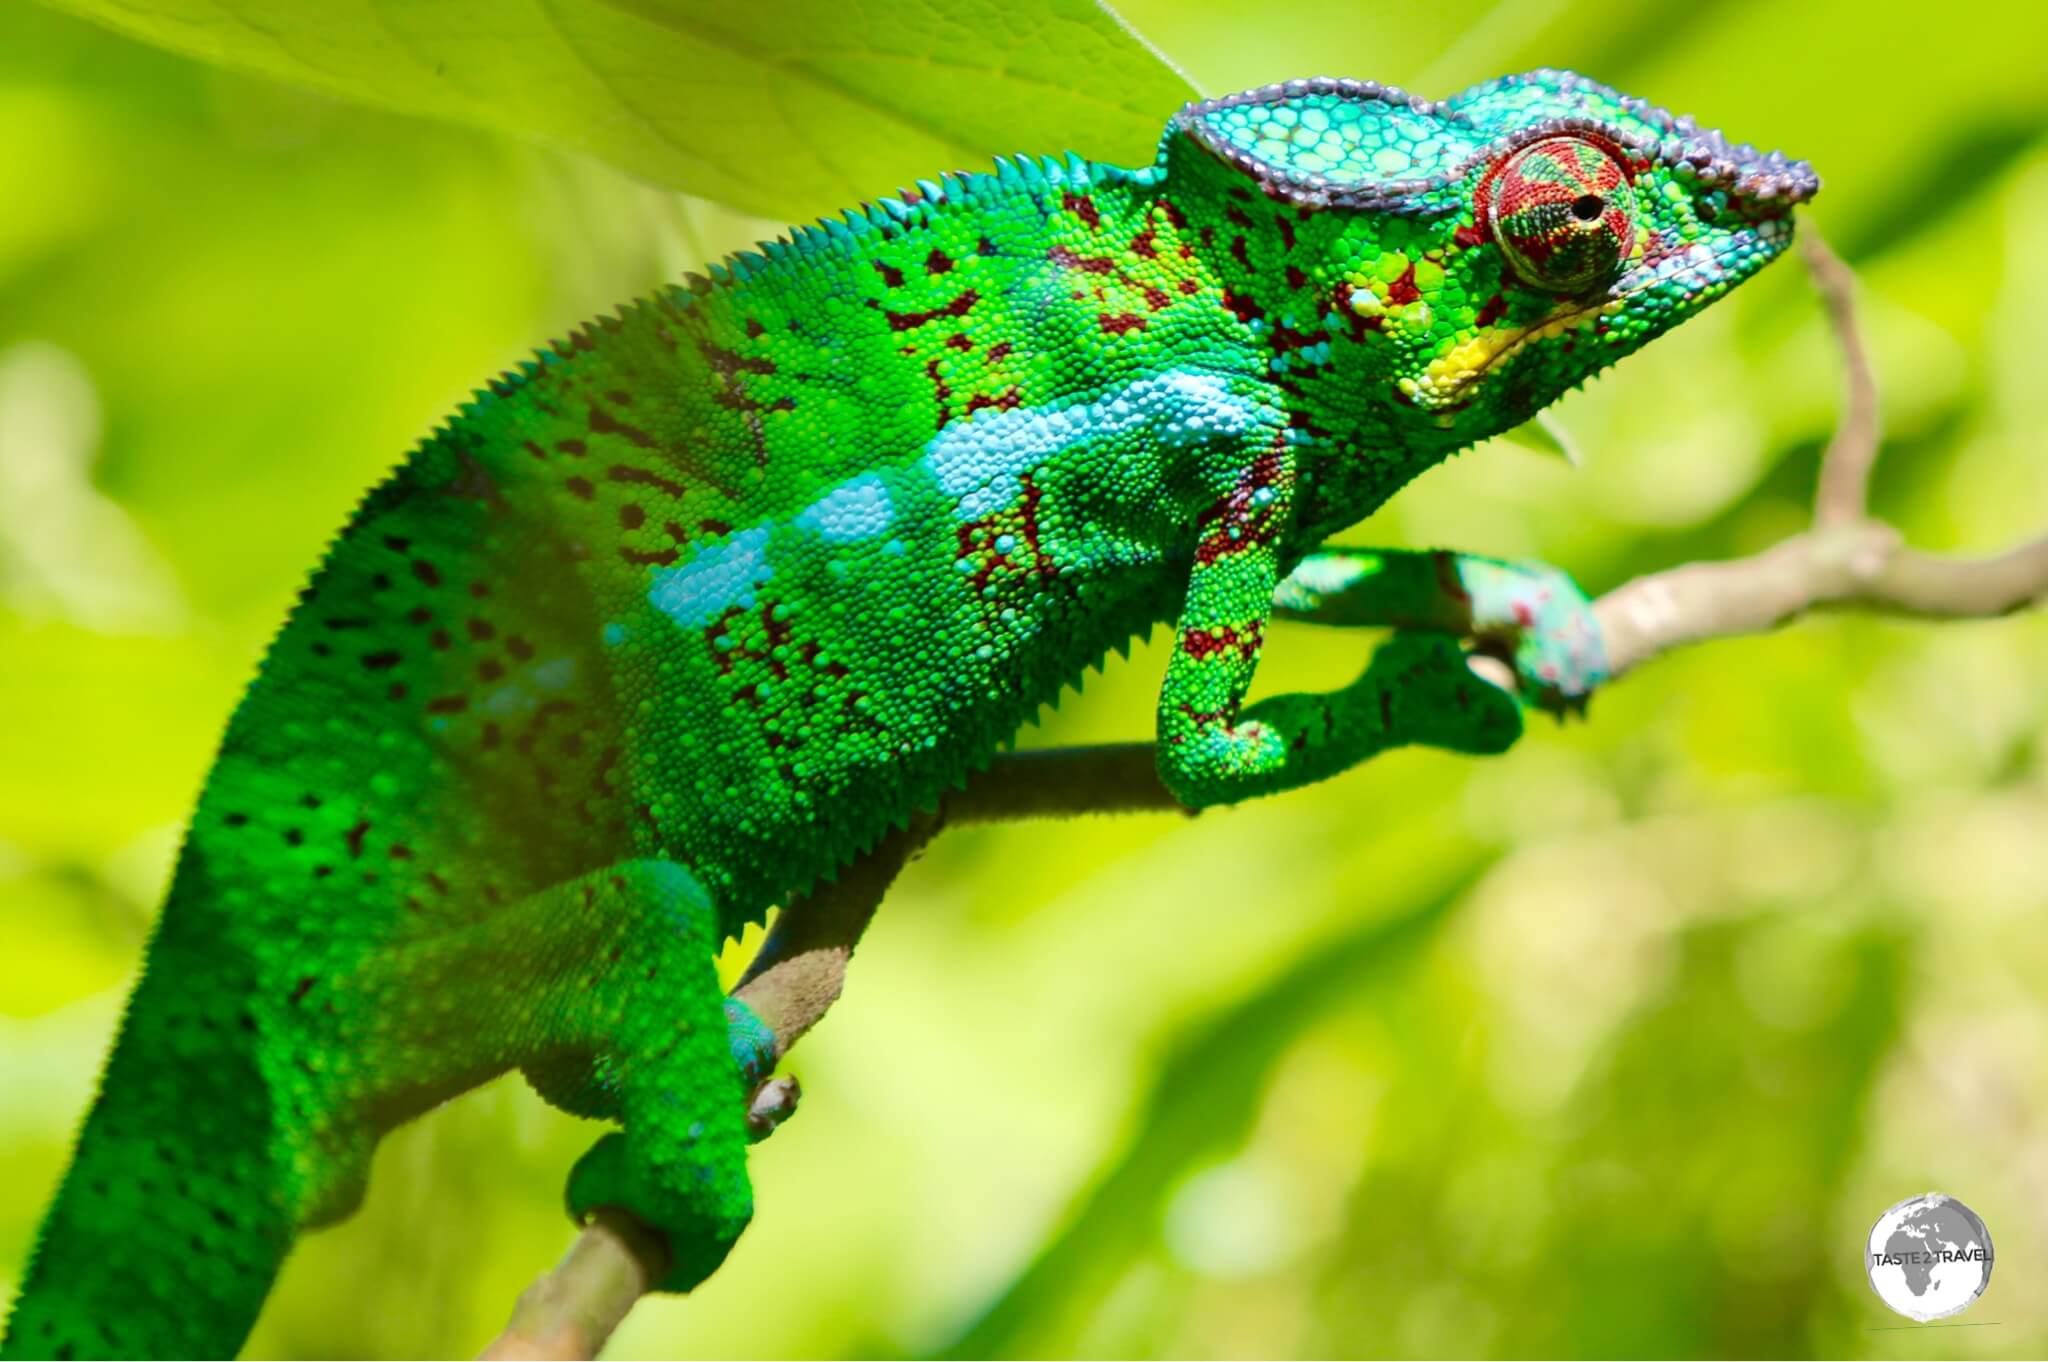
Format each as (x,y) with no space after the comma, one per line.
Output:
(173,1218)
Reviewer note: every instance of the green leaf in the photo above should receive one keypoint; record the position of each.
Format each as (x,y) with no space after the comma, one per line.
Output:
(1545,434)
(786,110)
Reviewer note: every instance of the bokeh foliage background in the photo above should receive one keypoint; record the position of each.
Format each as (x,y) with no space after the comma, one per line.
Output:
(1615,1045)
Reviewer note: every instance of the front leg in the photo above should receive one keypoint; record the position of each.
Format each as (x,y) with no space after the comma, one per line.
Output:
(1417,689)
(1532,613)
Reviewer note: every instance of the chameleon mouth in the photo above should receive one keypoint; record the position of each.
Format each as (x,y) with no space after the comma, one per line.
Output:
(1443,389)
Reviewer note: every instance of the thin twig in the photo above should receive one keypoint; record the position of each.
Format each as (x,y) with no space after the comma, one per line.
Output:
(1843,496)
(801,967)
(1846,560)
(1063,783)
(572,1311)
(1862,567)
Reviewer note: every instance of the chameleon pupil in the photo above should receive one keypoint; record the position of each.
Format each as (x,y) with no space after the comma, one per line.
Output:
(1562,212)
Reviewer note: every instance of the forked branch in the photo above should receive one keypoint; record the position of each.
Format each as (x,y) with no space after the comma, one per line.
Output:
(1845,561)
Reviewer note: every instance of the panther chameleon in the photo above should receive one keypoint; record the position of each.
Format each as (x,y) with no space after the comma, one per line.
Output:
(674,621)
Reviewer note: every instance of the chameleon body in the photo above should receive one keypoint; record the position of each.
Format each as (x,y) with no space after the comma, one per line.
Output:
(674,621)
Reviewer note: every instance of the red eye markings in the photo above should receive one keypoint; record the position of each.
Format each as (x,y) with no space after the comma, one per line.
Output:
(1562,212)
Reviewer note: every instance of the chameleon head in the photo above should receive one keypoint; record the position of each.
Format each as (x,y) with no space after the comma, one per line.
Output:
(1473,259)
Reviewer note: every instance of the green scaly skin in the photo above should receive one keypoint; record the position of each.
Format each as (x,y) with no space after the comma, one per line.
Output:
(674,622)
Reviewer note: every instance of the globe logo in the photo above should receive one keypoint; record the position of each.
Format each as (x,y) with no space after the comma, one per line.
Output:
(1929,1257)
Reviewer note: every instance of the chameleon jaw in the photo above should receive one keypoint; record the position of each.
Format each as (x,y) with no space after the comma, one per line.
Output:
(1442,388)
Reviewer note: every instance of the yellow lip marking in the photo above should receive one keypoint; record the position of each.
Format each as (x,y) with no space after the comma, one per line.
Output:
(1443,383)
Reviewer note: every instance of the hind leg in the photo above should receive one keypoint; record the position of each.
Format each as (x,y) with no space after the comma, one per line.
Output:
(604,991)
(668,1057)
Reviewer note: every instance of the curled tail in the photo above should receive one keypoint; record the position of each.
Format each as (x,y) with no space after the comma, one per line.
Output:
(174,1216)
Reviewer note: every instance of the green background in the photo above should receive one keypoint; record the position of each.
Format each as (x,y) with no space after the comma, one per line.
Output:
(1615,1045)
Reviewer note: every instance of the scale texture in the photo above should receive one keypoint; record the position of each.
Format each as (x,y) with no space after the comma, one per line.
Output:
(675,621)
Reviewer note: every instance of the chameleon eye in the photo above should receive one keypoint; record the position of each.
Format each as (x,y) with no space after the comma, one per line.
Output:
(1563,214)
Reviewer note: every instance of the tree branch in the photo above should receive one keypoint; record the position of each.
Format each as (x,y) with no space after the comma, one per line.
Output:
(572,1311)
(796,977)
(1858,565)
(1845,561)
(1845,465)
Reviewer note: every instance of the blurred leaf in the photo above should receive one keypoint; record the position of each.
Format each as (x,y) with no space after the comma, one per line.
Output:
(1545,434)
(1743,1185)
(66,145)
(63,934)
(1974,156)
(1203,1101)
(787,110)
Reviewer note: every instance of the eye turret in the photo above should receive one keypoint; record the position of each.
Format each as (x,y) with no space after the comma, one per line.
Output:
(1562,212)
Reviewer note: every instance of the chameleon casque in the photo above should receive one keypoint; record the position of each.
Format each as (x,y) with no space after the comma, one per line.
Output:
(677,619)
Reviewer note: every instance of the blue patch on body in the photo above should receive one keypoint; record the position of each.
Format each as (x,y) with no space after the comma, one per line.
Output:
(855,510)
(980,464)
(753,1043)
(719,577)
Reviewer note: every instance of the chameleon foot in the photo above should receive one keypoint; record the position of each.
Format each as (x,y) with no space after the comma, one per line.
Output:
(679,1059)
(699,1208)
(1544,627)
(772,1103)
(1425,692)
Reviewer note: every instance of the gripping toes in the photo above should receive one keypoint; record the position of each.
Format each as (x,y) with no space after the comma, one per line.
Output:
(1546,623)
(696,1195)
(1425,692)
(770,1101)
(675,1060)
(680,1164)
